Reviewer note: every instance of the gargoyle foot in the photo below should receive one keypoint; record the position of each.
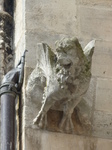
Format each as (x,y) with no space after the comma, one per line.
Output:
(66,124)
(84,121)
(41,121)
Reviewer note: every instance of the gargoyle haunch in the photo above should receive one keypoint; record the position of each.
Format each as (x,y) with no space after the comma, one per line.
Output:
(60,79)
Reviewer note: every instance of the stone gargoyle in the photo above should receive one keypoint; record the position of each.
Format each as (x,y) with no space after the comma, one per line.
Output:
(60,79)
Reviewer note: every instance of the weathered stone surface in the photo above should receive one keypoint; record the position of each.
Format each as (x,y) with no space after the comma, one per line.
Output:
(48,16)
(104,144)
(19,21)
(60,80)
(101,65)
(104,95)
(93,19)
(19,49)
(94,3)
(102,124)
(42,140)
(102,59)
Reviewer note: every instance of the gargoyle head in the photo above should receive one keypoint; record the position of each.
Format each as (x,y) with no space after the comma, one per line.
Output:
(70,53)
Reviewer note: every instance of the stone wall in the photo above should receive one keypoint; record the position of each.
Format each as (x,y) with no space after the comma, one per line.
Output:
(19,47)
(19,28)
(50,20)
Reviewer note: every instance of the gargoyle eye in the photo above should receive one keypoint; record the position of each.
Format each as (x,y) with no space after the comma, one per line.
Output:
(58,49)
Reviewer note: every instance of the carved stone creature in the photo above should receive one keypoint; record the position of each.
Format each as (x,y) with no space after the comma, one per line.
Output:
(60,79)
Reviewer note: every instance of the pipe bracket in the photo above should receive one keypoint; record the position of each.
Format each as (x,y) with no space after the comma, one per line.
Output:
(8,88)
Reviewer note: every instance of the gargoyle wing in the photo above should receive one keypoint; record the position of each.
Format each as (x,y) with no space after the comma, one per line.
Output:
(42,73)
(45,59)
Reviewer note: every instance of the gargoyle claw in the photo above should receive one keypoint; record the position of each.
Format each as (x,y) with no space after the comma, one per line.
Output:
(66,124)
(41,121)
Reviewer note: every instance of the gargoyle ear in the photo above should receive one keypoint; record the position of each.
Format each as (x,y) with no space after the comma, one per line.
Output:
(89,49)
(78,47)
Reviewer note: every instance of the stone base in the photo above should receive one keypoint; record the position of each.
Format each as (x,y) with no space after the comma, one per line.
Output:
(81,125)
(44,140)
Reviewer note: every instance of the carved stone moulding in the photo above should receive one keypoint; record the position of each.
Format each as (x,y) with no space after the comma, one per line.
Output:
(6,30)
(58,84)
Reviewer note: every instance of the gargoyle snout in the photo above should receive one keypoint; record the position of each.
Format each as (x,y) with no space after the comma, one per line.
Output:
(66,63)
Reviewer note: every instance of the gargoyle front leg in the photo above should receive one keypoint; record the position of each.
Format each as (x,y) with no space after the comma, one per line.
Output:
(41,118)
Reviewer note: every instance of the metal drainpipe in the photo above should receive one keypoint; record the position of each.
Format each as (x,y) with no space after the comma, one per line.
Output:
(8,120)
(10,88)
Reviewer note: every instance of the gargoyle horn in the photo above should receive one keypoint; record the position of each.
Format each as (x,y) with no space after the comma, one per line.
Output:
(89,49)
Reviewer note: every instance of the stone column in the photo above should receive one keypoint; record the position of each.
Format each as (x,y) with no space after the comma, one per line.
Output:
(6,23)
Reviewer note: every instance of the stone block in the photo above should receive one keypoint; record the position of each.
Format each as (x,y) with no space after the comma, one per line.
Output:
(19,49)
(66,142)
(95,23)
(34,5)
(104,144)
(104,95)
(19,31)
(102,124)
(101,64)
(32,140)
(19,21)
(43,140)
(107,3)
(53,16)
(102,46)
(102,58)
